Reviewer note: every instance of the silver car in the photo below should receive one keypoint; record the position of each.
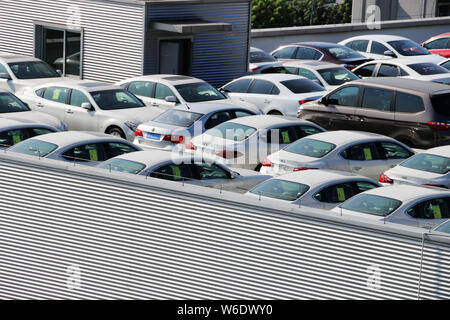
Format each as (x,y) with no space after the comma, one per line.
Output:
(203,171)
(86,148)
(323,189)
(92,106)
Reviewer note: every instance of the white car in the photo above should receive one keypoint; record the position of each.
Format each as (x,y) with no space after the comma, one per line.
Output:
(278,94)
(260,59)
(202,171)
(246,141)
(77,147)
(328,75)
(165,91)
(430,167)
(380,46)
(323,189)
(406,68)
(91,106)
(19,72)
(368,154)
(13,108)
(410,205)
(445,64)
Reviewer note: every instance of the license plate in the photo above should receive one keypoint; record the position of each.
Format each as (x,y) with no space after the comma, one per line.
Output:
(153,136)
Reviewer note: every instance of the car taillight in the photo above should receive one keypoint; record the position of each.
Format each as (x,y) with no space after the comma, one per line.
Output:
(303,169)
(256,68)
(138,133)
(190,146)
(266,163)
(385,179)
(435,185)
(228,154)
(304,101)
(173,138)
(350,66)
(436,125)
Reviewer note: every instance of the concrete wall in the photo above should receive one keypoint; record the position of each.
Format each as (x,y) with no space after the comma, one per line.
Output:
(416,29)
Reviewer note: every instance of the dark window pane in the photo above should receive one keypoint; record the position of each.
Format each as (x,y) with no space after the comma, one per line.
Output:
(89,152)
(371,204)
(362,152)
(163,91)
(441,103)
(207,171)
(280,189)
(378,99)
(431,209)
(174,172)
(387,70)
(285,53)
(217,118)
(307,54)
(114,149)
(261,87)
(141,88)
(405,102)
(336,194)
(302,86)
(239,86)
(378,48)
(73,53)
(260,56)
(358,45)
(77,98)
(366,71)
(56,94)
(426,69)
(344,97)
(442,43)
(395,151)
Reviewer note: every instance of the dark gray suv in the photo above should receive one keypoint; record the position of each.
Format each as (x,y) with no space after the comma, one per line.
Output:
(414,112)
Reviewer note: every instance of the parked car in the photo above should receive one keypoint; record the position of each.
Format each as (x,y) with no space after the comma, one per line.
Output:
(404,68)
(410,205)
(18,72)
(87,148)
(91,106)
(14,108)
(166,91)
(443,227)
(439,44)
(445,64)
(178,125)
(245,142)
(321,51)
(13,131)
(202,171)
(278,94)
(365,153)
(259,59)
(323,189)
(430,167)
(412,111)
(382,46)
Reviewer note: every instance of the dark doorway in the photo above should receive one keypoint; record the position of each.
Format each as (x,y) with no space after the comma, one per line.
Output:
(175,56)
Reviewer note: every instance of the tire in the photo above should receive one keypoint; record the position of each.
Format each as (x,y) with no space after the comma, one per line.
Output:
(275,113)
(115,131)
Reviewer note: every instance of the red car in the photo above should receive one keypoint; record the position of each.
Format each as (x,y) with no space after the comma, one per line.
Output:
(439,44)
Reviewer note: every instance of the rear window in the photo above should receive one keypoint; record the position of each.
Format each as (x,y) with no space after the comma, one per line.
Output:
(337,76)
(371,204)
(232,131)
(429,163)
(310,148)
(122,165)
(426,69)
(302,86)
(178,118)
(260,56)
(10,103)
(343,52)
(280,189)
(34,147)
(441,104)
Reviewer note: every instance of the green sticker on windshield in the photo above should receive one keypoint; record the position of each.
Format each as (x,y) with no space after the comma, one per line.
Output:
(341,194)
(176,172)
(16,139)
(285,136)
(367,154)
(93,155)
(436,211)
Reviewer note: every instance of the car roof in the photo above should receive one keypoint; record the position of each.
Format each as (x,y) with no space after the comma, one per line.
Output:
(69,137)
(447,34)
(207,107)
(265,121)
(10,57)
(318,44)
(274,76)
(406,193)
(256,49)
(312,64)
(379,37)
(407,84)
(173,79)
(439,151)
(314,178)
(341,137)
(87,85)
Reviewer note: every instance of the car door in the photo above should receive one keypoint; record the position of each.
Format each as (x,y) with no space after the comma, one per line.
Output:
(376,111)
(366,71)
(377,50)
(238,89)
(394,153)
(89,154)
(175,172)
(365,159)
(427,213)
(161,92)
(439,46)
(388,70)
(263,94)
(306,53)
(329,197)
(144,90)
(54,102)
(211,175)
(285,53)
(77,118)
(310,75)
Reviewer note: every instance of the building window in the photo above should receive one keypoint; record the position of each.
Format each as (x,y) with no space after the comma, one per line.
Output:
(61,49)
(443,8)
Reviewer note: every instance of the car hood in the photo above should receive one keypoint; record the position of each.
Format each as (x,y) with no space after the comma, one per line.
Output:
(36,116)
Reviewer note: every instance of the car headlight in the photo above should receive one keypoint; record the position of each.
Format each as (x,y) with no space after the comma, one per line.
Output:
(132,125)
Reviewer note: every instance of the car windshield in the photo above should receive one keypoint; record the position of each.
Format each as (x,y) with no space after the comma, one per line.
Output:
(310,148)
(179,118)
(116,99)
(10,103)
(343,52)
(231,131)
(445,227)
(122,165)
(34,147)
(371,204)
(280,189)
(337,76)
(302,86)
(408,48)
(441,104)
(32,70)
(426,69)
(260,56)
(429,163)
(199,92)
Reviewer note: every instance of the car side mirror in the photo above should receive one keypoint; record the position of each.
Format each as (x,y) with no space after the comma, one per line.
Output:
(58,71)
(324,101)
(5,76)
(86,106)
(389,53)
(171,99)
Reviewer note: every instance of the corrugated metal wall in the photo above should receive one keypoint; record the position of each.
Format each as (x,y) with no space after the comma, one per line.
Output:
(113,32)
(77,233)
(217,57)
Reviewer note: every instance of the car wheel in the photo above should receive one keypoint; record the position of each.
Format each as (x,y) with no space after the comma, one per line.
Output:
(275,113)
(115,131)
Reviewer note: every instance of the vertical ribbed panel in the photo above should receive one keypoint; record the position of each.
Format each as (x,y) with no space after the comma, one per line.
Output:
(217,57)
(133,238)
(113,33)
